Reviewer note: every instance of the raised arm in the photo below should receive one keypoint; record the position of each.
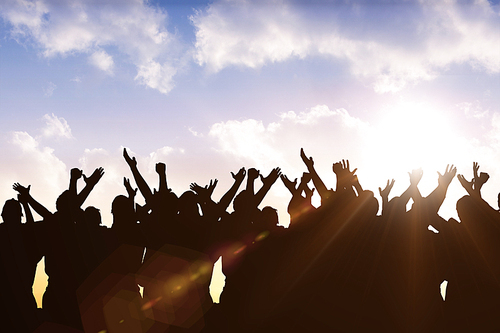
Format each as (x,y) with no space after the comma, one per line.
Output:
(139,180)
(291,186)
(384,194)
(412,191)
(267,182)
(479,180)
(304,180)
(39,208)
(324,193)
(23,199)
(161,170)
(345,178)
(75,174)
(437,196)
(467,185)
(208,206)
(90,182)
(130,191)
(229,195)
(252,175)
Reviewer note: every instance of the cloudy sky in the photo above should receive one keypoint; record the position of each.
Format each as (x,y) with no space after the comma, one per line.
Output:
(211,86)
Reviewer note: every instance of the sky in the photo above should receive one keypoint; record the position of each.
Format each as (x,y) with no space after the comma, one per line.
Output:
(211,86)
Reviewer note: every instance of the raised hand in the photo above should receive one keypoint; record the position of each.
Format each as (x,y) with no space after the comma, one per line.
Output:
(483,178)
(467,185)
(95,177)
(272,177)
(475,169)
(204,191)
(349,173)
(415,176)
(196,188)
(291,186)
(132,162)
(307,161)
(337,168)
(479,180)
(24,191)
(240,175)
(253,173)
(211,187)
(161,168)
(76,173)
(448,175)
(388,187)
(130,191)
(345,165)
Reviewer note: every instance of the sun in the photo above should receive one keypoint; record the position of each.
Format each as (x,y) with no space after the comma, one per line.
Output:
(412,135)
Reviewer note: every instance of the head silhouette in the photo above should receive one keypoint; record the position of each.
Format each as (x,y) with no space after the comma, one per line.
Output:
(269,217)
(64,202)
(123,211)
(188,204)
(11,212)
(243,202)
(92,216)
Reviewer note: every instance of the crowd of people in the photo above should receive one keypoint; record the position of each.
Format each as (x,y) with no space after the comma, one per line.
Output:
(339,267)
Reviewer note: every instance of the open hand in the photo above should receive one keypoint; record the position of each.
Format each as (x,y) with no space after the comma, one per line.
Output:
(130,191)
(467,185)
(415,176)
(448,175)
(95,177)
(271,178)
(291,186)
(132,162)
(388,187)
(25,191)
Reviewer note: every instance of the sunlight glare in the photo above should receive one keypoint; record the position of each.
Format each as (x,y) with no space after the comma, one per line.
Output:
(410,136)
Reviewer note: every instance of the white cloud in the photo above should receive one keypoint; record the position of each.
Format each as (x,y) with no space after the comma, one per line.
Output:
(48,90)
(473,110)
(56,127)
(195,133)
(134,28)
(102,60)
(156,76)
(27,162)
(388,46)
(279,143)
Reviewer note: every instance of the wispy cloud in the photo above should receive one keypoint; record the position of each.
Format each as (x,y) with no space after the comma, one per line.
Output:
(133,28)
(48,90)
(389,46)
(56,127)
(473,110)
(103,61)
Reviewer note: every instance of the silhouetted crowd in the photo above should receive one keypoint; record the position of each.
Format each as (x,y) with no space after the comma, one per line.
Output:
(337,268)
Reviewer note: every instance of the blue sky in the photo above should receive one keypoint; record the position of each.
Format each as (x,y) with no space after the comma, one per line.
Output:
(209,87)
